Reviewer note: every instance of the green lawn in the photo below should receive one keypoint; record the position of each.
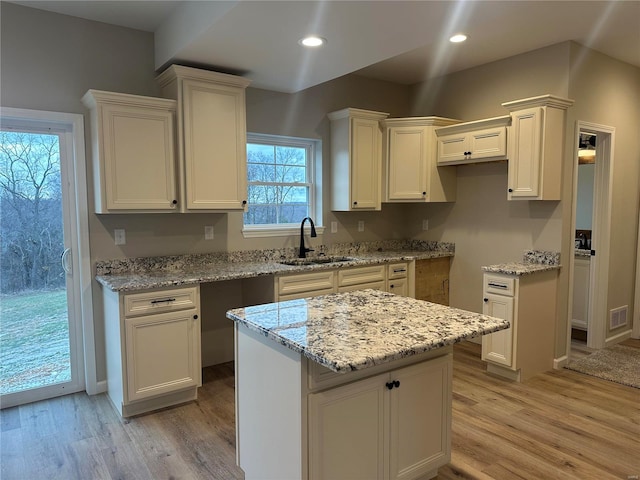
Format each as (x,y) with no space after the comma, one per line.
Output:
(34,340)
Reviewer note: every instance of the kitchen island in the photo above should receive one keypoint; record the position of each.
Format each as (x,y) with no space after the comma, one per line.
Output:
(349,385)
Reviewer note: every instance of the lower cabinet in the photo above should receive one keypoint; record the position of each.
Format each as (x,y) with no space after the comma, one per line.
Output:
(432,280)
(390,426)
(153,348)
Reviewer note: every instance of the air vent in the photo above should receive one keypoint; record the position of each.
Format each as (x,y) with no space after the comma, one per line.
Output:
(618,317)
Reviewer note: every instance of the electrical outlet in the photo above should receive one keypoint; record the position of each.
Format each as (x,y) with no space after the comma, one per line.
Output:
(361,225)
(425,224)
(334,227)
(119,236)
(208,232)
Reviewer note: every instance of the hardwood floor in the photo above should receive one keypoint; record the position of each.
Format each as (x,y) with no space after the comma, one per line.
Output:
(558,425)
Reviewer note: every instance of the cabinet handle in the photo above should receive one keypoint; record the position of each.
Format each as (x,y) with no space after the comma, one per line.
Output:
(485,300)
(355,203)
(174,202)
(164,300)
(510,190)
(392,286)
(400,270)
(389,385)
(396,383)
(244,202)
(195,317)
(424,193)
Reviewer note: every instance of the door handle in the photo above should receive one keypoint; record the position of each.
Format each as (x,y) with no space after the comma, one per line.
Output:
(65,261)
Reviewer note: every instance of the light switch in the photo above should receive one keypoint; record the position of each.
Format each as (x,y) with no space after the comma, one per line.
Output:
(120,236)
(208,232)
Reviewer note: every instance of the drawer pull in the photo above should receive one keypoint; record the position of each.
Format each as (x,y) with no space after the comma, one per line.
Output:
(164,300)
(498,285)
(399,270)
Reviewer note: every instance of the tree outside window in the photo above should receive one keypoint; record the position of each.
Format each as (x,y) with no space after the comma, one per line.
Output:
(280,181)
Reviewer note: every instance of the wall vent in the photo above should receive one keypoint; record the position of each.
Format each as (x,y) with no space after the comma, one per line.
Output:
(618,317)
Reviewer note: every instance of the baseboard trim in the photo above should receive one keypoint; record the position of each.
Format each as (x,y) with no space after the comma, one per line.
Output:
(100,387)
(561,362)
(618,338)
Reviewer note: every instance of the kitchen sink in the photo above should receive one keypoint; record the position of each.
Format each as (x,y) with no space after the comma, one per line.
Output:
(315,261)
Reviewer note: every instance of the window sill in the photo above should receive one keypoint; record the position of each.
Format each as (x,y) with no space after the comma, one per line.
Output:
(271,231)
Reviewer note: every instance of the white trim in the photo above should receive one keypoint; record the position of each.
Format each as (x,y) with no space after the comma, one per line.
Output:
(619,337)
(561,362)
(636,301)
(256,231)
(599,275)
(74,124)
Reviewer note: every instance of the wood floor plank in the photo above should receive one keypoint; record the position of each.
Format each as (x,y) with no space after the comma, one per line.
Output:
(557,425)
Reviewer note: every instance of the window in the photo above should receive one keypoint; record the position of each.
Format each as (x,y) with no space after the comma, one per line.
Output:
(282,186)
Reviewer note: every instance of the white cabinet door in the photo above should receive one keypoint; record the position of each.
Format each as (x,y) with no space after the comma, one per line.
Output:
(420,424)
(399,286)
(498,347)
(163,353)
(379,285)
(452,148)
(487,143)
(525,153)
(346,431)
(134,159)
(407,163)
(215,138)
(366,164)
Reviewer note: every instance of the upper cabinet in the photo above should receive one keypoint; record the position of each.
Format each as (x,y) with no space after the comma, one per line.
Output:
(212,137)
(472,142)
(356,159)
(133,152)
(410,167)
(536,146)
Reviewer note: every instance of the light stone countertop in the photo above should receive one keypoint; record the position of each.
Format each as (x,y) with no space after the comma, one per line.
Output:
(533,261)
(357,330)
(159,272)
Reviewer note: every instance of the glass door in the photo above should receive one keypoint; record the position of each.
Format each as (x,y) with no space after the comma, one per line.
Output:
(40,351)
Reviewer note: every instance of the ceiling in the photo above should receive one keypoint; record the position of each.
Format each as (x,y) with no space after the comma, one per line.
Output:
(400,41)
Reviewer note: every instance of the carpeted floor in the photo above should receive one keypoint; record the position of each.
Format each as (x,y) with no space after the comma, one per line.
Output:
(618,363)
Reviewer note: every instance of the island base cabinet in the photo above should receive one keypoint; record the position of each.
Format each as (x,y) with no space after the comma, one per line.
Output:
(392,426)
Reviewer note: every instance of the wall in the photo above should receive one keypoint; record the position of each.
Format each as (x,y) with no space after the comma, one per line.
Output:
(486,228)
(609,94)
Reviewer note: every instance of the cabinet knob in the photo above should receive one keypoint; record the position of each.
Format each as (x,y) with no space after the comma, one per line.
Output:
(355,203)
(510,190)
(396,383)
(195,317)
(244,202)
(392,286)
(175,202)
(389,385)
(485,300)
(424,193)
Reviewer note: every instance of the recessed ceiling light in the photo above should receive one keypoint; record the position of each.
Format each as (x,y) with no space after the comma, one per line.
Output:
(312,41)
(458,38)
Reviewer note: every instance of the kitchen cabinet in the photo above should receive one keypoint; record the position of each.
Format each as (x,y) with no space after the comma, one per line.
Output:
(152,348)
(472,142)
(133,152)
(398,275)
(432,280)
(350,279)
(391,426)
(411,170)
(212,137)
(581,285)
(301,285)
(356,159)
(536,139)
(529,303)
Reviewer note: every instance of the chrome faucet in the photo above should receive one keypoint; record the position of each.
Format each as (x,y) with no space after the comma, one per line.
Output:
(303,249)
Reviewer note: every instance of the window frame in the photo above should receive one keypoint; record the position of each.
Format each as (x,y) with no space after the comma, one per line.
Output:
(314,175)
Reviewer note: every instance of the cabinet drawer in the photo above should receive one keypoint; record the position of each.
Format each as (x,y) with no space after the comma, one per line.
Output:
(306,282)
(355,276)
(159,301)
(380,285)
(397,270)
(500,285)
(398,286)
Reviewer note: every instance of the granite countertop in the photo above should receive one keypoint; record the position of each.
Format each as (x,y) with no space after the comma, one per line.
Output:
(533,261)
(357,330)
(158,272)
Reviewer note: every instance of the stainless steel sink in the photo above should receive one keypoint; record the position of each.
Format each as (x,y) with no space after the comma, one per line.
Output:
(314,261)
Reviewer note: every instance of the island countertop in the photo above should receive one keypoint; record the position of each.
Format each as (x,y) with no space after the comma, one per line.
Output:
(356,330)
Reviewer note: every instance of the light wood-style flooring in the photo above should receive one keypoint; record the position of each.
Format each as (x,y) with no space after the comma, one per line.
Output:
(558,425)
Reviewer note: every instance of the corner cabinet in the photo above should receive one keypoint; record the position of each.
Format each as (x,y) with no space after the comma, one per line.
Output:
(133,141)
(526,348)
(212,137)
(153,348)
(536,140)
(410,166)
(356,159)
(472,142)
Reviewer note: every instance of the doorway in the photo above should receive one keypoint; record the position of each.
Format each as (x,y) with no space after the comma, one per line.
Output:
(43,222)
(589,265)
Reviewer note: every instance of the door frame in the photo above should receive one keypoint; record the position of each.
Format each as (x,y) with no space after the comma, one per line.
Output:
(602,200)
(73,126)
